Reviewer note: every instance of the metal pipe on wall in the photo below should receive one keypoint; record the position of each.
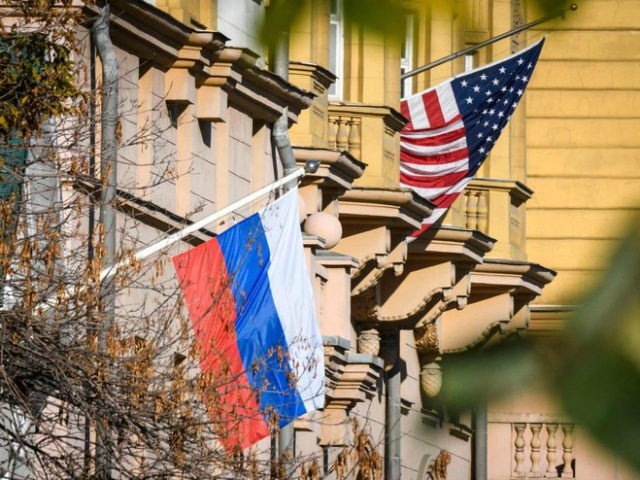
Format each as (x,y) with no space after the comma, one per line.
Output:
(480,442)
(392,426)
(280,131)
(107,219)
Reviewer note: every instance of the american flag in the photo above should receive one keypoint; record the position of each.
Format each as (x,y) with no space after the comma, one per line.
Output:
(453,126)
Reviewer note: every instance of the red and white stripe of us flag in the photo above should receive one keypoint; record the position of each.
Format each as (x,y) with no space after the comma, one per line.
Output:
(434,158)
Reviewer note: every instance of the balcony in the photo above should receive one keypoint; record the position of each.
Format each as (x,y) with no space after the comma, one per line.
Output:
(539,446)
(495,207)
(371,134)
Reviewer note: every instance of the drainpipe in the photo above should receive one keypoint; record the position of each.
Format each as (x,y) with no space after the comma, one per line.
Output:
(91,214)
(392,432)
(108,155)
(280,131)
(280,136)
(480,442)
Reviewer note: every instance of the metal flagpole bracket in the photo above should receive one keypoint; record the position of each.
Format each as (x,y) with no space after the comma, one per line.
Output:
(310,167)
(474,48)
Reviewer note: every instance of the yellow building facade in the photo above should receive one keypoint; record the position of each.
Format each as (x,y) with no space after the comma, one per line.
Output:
(527,235)
(557,186)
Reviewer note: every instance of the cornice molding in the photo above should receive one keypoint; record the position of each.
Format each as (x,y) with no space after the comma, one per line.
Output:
(498,304)
(517,277)
(157,37)
(144,211)
(154,35)
(395,208)
(393,119)
(323,76)
(440,265)
(459,244)
(337,169)
(517,190)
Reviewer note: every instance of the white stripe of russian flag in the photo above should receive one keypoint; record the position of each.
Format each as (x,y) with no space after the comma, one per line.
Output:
(293,298)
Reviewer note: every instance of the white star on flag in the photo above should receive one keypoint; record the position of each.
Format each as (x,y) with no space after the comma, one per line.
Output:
(443,145)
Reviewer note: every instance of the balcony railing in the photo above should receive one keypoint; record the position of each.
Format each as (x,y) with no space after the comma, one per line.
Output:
(476,209)
(494,207)
(541,446)
(371,134)
(345,134)
(547,452)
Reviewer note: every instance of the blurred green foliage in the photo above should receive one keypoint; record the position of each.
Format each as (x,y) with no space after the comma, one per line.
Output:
(384,16)
(592,369)
(36,81)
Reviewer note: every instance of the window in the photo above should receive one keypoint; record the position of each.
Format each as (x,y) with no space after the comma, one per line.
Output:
(470,61)
(336,47)
(406,57)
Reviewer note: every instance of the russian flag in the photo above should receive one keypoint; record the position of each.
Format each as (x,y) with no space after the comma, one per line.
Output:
(251,307)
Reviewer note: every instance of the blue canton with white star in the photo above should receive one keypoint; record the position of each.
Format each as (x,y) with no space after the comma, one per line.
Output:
(487,97)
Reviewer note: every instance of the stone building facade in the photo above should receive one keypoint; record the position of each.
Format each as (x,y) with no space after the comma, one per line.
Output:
(389,310)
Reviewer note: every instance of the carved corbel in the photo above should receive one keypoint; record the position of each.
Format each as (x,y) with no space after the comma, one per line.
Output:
(498,304)
(426,341)
(447,298)
(364,307)
(440,267)
(376,223)
(187,72)
(351,378)
(401,302)
(369,340)
(427,344)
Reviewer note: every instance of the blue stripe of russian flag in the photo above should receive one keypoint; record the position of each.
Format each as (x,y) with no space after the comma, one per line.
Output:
(275,333)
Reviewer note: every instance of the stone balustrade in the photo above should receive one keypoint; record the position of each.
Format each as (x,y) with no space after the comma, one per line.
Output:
(506,222)
(345,134)
(370,134)
(543,450)
(476,209)
(542,446)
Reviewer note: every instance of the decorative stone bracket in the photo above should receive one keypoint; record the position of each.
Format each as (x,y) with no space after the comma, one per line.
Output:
(234,79)
(498,304)
(435,277)
(200,69)
(440,266)
(351,378)
(375,225)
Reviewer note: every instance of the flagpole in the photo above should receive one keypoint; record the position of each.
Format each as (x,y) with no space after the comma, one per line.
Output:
(573,7)
(310,167)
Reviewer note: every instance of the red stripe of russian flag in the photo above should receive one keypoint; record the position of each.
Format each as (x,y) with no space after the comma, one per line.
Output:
(252,311)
